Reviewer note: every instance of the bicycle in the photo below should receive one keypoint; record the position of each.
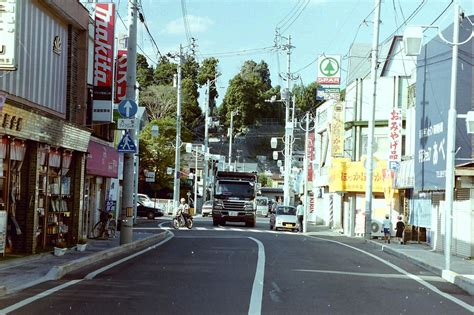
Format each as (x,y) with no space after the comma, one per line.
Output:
(106,225)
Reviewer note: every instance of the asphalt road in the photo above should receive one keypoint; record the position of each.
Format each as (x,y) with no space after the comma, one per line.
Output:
(239,270)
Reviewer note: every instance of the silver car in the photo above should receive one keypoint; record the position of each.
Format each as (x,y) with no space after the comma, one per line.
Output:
(284,217)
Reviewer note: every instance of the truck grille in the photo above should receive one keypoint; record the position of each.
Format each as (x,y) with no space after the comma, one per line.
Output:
(233,205)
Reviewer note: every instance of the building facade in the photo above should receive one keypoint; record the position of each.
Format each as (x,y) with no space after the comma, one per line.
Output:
(43,135)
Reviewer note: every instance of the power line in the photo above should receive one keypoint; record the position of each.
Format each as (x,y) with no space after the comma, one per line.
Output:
(297,16)
(141,14)
(297,4)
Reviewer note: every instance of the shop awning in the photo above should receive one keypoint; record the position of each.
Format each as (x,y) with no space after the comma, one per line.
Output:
(102,160)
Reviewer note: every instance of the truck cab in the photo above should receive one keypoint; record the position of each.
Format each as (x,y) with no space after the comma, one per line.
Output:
(234,198)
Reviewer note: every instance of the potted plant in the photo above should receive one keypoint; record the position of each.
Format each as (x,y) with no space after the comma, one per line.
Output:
(60,248)
(81,244)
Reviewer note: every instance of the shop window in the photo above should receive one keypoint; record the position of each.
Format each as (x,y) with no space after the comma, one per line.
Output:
(54,200)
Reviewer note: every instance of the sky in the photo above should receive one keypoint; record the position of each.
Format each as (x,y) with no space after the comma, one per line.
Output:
(234,30)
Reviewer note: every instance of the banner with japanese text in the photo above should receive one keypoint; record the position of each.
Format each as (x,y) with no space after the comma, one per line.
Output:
(120,76)
(104,37)
(337,130)
(395,139)
(348,176)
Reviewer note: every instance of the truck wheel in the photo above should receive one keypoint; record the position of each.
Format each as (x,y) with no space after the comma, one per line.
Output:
(250,223)
(215,222)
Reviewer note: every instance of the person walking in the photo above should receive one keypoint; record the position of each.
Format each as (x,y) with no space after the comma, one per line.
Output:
(386,229)
(400,229)
(300,215)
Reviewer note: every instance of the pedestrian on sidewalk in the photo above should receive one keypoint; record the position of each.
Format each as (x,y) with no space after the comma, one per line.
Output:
(386,229)
(300,215)
(400,229)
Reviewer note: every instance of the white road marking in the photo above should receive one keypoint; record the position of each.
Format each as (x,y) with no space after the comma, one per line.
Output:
(118,262)
(378,275)
(256,297)
(41,295)
(91,275)
(412,276)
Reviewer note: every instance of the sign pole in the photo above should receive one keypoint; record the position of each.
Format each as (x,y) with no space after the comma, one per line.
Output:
(126,231)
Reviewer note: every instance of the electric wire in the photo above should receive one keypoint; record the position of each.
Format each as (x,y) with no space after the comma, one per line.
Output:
(296,17)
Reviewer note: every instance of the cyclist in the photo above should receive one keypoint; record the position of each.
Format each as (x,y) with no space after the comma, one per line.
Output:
(184,208)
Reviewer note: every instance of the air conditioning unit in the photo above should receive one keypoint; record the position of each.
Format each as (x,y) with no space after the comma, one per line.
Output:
(376,228)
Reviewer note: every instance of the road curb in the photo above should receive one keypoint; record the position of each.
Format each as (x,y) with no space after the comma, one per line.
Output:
(460,281)
(57,272)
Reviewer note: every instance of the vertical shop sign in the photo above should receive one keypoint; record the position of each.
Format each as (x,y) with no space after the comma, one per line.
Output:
(8,35)
(395,139)
(337,130)
(310,156)
(103,61)
(120,76)
(3,231)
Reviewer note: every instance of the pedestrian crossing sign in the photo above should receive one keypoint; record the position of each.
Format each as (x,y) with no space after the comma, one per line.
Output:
(126,144)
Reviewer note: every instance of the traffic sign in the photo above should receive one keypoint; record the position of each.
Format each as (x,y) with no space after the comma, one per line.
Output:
(127,108)
(126,144)
(126,123)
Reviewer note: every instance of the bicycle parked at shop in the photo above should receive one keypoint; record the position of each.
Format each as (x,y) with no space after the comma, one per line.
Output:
(106,227)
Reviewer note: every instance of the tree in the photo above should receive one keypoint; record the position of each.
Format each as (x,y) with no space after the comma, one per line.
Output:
(306,97)
(144,72)
(264,180)
(159,100)
(247,93)
(208,71)
(165,72)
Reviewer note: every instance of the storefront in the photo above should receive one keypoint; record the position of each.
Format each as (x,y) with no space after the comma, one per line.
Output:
(348,178)
(42,166)
(102,186)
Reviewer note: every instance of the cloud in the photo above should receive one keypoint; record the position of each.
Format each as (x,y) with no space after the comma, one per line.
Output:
(197,24)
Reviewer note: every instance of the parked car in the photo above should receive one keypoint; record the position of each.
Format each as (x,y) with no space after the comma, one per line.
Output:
(145,200)
(149,212)
(284,217)
(207,208)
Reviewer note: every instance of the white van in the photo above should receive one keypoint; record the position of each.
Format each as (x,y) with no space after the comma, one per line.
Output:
(262,206)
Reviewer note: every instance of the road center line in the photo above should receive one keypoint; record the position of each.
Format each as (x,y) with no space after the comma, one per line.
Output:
(412,276)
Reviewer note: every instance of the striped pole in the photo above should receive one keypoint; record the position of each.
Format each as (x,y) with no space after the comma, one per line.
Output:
(331,212)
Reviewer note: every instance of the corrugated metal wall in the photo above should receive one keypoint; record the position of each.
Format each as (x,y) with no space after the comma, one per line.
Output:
(42,74)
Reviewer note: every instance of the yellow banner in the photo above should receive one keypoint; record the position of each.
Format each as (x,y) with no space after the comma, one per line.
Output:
(346,176)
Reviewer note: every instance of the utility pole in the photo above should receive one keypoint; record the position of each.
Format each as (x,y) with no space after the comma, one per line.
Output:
(451,142)
(370,138)
(288,128)
(178,137)
(206,143)
(126,231)
(305,173)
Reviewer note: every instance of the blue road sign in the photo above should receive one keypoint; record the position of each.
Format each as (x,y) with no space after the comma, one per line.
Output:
(127,108)
(126,144)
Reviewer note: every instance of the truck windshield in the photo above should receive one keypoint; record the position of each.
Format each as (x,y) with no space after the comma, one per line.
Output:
(234,189)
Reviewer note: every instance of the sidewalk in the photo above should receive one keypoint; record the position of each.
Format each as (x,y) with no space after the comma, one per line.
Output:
(462,270)
(21,273)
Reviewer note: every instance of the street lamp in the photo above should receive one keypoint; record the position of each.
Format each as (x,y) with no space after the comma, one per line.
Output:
(413,41)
